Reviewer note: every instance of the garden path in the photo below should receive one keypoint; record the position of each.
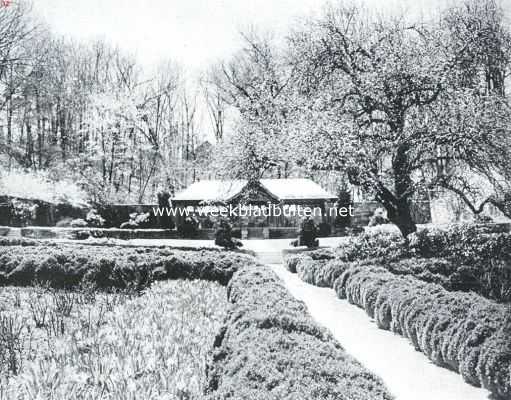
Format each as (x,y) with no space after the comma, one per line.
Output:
(407,373)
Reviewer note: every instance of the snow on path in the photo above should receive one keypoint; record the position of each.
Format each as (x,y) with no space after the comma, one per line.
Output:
(257,245)
(408,374)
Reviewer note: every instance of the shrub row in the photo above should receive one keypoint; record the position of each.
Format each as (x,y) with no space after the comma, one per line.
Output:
(461,331)
(449,275)
(486,253)
(467,244)
(482,257)
(14,241)
(63,265)
(270,348)
(322,254)
(385,245)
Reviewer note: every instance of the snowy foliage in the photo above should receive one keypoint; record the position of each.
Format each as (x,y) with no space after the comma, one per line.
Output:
(39,186)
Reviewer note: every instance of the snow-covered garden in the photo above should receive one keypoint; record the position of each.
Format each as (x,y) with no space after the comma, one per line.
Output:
(121,278)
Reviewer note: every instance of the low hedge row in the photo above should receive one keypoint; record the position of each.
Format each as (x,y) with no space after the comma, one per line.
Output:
(321,273)
(450,276)
(461,331)
(66,265)
(14,241)
(291,356)
(291,261)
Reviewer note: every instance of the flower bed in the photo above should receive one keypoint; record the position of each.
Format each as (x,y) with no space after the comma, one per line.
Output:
(88,345)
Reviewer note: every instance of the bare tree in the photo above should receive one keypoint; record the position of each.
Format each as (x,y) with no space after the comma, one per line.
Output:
(255,83)
(216,107)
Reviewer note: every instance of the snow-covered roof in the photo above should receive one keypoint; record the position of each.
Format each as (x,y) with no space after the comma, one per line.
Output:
(211,190)
(282,189)
(296,189)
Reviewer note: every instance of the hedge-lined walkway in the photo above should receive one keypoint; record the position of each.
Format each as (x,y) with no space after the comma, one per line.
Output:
(407,373)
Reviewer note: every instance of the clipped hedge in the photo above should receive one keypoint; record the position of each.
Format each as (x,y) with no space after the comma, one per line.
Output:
(291,357)
(323,272)
(63,265)
(14,241)
(461,331)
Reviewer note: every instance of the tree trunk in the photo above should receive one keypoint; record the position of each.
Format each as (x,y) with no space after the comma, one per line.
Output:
(63,133)
(398,204)
(39,133)
(9,129)
(403,218)
(29,156)
(403,188)
(398,211)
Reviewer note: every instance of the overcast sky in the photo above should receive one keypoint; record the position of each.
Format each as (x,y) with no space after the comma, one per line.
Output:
(192,32)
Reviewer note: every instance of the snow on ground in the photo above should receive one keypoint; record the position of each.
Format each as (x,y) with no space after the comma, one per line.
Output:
(408,374)
(268,250)
(172,242)
(258,245)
